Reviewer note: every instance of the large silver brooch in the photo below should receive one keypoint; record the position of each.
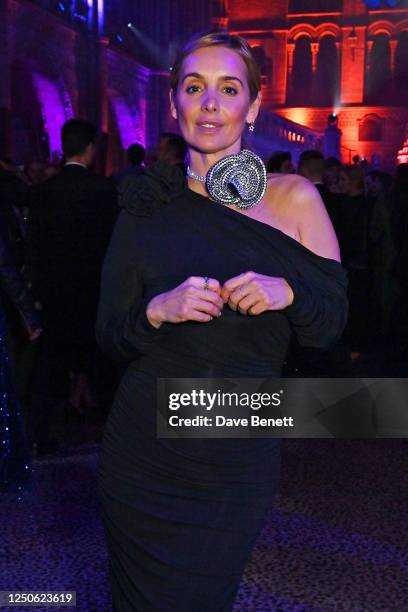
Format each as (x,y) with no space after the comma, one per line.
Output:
(238,180)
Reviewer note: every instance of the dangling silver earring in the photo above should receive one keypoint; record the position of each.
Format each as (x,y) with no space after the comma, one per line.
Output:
(251,127)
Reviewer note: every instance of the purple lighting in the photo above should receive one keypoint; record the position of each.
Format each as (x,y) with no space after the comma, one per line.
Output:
(128,131)
(100,16)
(52,110)
(374,4)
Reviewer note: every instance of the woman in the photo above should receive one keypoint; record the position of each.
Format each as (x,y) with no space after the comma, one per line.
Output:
(181,276)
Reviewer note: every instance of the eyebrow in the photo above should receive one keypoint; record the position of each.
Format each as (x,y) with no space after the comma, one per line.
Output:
(196,75)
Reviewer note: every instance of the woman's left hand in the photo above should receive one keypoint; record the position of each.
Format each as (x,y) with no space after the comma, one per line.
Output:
(253,293)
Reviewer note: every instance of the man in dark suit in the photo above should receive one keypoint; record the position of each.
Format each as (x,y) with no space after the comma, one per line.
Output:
(69,229)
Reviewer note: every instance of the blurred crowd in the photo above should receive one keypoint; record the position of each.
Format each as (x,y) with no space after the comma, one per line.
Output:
(369,211)
(56,220)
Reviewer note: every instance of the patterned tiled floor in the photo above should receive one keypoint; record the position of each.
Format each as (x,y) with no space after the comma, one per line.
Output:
(336,539)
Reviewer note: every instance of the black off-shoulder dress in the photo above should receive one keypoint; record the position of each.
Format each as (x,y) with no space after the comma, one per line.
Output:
(181,516)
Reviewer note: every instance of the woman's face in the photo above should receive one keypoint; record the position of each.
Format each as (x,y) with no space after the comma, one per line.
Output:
(212,102)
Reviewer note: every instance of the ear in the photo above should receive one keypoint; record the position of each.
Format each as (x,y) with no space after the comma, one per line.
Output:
(173,109)
(254,109)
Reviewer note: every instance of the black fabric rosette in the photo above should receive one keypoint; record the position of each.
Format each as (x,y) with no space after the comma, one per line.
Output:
(158,185)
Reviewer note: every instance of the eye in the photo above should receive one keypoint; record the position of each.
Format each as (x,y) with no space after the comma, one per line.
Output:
(229,90)
(192,89)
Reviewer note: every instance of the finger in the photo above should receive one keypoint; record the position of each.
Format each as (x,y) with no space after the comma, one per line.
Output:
(208,307)
(247,303)
(262,306)
(238,295)
(213,285)
(194,292)
(228,290)
(257,309)
(189,312)
(200,317)
(233,283)
(205,282)
(210,296)
(194,306)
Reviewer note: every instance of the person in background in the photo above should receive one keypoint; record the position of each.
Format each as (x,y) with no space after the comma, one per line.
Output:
(311,166)
(334,175)
(311,361)
(135,155)
(381,253)
(399,229)
(15,198)
(355,253)
(34,170)
(172,149)
(68,231)
(52,170)
(14,202)
(374,183)
(280,162)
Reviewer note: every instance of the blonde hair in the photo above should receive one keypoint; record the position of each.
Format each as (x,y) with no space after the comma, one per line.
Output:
(220,38)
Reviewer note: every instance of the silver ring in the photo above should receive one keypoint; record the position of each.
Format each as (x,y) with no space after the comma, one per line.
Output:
(206,282)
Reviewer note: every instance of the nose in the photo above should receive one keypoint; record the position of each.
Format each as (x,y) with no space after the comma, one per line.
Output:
(209,102)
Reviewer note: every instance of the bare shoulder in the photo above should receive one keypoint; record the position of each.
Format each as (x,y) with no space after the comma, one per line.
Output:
(293,190)
(297,199)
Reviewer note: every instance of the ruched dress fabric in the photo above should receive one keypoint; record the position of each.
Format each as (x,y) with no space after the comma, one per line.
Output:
(182,516)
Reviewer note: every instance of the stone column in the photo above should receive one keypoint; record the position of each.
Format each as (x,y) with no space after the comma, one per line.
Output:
(314,93)
(352,65)
(290,48)
(393,48)
(369,54)
(314,48)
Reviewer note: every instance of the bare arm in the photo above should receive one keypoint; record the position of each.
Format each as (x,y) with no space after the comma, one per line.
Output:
(315,303)
(313,222)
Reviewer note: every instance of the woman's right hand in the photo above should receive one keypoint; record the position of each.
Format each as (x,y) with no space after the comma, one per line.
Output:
(196,299)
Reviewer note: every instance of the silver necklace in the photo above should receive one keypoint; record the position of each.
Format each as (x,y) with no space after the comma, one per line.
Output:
(238,180)
(195,176)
